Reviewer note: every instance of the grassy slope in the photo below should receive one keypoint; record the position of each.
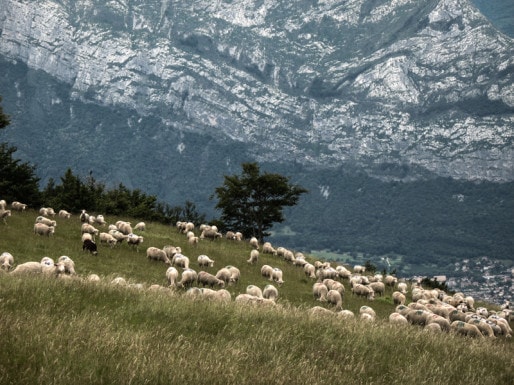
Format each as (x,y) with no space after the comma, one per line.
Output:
(68,332)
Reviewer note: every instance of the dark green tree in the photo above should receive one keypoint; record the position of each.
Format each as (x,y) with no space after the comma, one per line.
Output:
(17,179)
(252,202)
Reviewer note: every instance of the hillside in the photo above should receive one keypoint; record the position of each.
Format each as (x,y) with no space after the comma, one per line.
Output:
(168,97)
(72,331)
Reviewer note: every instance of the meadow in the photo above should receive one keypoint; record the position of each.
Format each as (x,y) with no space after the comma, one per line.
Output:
(56,331)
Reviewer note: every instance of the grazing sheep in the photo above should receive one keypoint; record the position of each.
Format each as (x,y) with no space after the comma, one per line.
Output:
(93,278)
(118,235)
(172,276)
(254,242)
(46,221)
(189,276)
(249,299)
(254,290)
(171,251)
(334,285)
(157,254)
(4,214)
(335,298)
(134,240)
(210,233)
(289,256)
(64,214)
(207,279)
(254,256)
(204,260)
(398,319)
(399,298)
(193,241)
(180,260)
(6,260)
(119,281)
(87,228)
(267,248)
(466,329)
(320,311)
(90,245)
(42,229)
(17,206)
(140,226)
(363,291)
(100,220)
(276,275)
(402,287)
(378,288)
(235,274)
(230,235)
(358,269)
(28,268)
(47,211)
(3,204)
(483,326)
(309,270)
(367,313)
(390,280)
(441,321)
(343,272)
(267,271)
(346,314)
(108,238)
(68,264)
(86,236)
(224,274)
(319,291)
(326,272)
(124,227)
(418,316)
(270,292)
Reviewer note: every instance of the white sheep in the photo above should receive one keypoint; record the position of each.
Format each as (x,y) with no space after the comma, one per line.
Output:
(390,280)
(398,319)
(207,279)
(346,314)
(124,227)
(180,260)
(335,298)
(334,285)
(378,287)
(64,214)
(402,287)
(210,233)
(172,276)
(399,298)
(343,272)
(84,216)
(134,240)
(118,235)
(107,238)
(270,292)
(235,274)
(254,290)
(42,229)
(309,270)
(156,254)
(254,256)
(189,276)
(319,291)
(363,291)
(224,274)
(359,269)
(254,242)
(46,211)
(267,248)
(100,220)
(87,228)
(367,313)
(6,260)
(46,221)
(140,226)
(93,278)
(205,261)
(267,271)
(3,204)
(18,206)
(4,214)
(276,275)
(68,264)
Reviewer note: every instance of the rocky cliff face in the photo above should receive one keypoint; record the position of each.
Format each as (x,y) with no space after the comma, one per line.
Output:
(428,84)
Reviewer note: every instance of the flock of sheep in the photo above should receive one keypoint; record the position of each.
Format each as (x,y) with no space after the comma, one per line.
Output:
(431,309)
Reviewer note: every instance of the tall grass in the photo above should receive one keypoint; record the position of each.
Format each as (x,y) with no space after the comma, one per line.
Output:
(72,331)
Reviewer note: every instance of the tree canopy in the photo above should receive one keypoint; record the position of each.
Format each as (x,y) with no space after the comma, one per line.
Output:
(252,202)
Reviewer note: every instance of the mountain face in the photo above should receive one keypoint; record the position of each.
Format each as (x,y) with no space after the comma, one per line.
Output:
(169,96)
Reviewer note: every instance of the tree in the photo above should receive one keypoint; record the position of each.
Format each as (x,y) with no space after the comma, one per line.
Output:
(17,179)
(252,202)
